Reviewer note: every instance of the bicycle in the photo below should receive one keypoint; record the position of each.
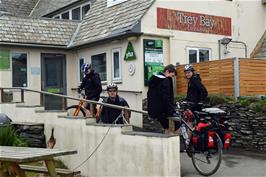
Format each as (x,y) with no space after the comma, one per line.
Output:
(206,155)
(78,110)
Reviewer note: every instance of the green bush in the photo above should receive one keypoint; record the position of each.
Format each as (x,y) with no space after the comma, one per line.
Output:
(218,99)
(8,137)
(180,97)
(259,106)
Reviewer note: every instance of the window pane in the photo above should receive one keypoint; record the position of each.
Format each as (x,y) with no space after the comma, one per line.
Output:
(65,15)
(76,14)
(57,17)
(99,65)
(116,74)
(51,79)
(19,70)
(204,55)
(85,9)
(192,56)
(81,62)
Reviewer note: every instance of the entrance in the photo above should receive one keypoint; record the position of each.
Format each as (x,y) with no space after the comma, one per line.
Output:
(53,80)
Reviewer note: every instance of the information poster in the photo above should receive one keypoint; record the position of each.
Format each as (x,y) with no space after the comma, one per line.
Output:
(4,59)
(153,58)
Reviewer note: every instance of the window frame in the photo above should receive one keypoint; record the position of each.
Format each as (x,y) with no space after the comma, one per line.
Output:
(116,79)
(27,65)
(79,69)
(198,51)
(101,53)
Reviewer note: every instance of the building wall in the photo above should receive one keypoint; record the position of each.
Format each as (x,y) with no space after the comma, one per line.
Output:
(244,27)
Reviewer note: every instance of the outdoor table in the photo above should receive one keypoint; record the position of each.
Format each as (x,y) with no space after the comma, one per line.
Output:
(11,157)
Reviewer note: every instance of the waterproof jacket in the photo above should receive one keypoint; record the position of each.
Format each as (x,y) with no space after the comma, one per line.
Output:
(109,115)
(196,91)
(160,96)
(92,85)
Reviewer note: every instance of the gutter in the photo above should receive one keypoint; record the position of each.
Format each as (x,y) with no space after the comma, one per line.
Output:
(34,45)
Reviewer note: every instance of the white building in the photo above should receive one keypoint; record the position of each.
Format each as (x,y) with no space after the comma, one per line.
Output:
(43,43)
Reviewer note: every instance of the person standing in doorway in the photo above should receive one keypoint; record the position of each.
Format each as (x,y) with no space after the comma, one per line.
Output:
(91,83)
(160,96)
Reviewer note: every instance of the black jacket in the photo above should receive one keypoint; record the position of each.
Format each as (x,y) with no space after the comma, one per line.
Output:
(160,97)
(196,91)
(109,115)
(92,85)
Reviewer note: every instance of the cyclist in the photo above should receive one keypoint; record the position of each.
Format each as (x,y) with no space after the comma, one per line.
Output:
(111,115)
(91,83)
(196,91)
(161,97)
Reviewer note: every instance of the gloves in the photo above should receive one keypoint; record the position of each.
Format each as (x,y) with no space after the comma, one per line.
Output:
(79,90)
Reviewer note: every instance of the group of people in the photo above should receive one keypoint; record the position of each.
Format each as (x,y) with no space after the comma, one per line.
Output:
(160,95)
(91,83)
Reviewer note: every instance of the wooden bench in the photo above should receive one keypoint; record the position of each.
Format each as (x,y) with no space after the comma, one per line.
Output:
(42,169)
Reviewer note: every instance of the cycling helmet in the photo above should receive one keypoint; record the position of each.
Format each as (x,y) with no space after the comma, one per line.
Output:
(188,68)
(111,86)
(85,67)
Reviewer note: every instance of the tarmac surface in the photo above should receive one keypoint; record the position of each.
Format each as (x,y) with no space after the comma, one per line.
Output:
(235,163)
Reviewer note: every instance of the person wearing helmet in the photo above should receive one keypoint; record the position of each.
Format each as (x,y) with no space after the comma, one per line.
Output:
(160,96)
(111,115)
(91,83)
(196,91)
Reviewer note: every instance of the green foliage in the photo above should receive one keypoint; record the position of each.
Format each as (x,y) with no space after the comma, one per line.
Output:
(253,103)
(8,137)
(180,97)
(218,99)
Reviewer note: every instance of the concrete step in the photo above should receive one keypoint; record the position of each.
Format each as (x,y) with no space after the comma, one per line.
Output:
(89,120)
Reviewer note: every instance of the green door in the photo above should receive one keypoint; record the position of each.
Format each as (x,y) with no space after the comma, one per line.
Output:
(53,80)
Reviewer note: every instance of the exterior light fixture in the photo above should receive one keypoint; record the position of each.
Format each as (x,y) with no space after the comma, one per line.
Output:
(225,41)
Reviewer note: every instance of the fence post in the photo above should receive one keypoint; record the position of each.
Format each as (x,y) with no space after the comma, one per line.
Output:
(22,95)
(236,77)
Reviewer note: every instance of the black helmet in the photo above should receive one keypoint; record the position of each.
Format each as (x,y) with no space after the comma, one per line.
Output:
(111,86)
(85,67)
(188,68)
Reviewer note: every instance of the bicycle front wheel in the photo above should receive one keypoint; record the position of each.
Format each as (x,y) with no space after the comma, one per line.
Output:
(208,162)
(75,110)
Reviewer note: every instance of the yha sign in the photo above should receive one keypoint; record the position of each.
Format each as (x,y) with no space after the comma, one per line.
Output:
(195,22)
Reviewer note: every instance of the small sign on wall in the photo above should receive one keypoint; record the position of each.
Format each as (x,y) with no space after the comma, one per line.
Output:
(35,70)
(4,59)
(130,53)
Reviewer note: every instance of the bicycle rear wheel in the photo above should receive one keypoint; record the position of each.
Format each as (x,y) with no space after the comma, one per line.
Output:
(73,111)
(208,162)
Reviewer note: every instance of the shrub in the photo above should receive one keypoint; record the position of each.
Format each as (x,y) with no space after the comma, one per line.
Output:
(8,137)
(180,97)
(218,99)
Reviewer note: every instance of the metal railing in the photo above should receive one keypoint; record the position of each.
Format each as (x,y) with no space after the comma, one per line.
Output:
(43,93)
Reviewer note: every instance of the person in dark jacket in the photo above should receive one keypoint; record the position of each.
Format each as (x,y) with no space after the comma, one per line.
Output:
(160,96)
(111,115)
(196,91)
(91,83)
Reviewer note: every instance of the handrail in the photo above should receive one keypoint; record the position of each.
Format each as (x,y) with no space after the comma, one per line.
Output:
(73,98)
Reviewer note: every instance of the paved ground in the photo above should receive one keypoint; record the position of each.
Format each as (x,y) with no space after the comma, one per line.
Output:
(236,163)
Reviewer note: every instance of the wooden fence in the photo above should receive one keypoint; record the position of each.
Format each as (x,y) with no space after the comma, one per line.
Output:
(232,77)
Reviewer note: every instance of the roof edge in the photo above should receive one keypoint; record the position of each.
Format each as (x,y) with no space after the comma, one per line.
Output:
(33,45)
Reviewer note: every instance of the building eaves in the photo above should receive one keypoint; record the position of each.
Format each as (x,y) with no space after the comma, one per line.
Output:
(28,31)
(102,22)
(260,49)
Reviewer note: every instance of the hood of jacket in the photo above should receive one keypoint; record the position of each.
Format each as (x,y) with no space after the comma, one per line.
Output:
(156,80)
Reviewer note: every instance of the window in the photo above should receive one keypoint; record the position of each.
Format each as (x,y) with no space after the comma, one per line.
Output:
(81,62)
(65,15)
(116,65)
(57,17)
(76,14)
(99,65)
(196,55)
(19,70)
(85,9)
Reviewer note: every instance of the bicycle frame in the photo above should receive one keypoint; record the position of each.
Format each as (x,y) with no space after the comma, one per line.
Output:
(80,105)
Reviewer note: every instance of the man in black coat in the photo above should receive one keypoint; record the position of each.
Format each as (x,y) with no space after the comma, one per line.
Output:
(91,83)
(196,91)
(160,96)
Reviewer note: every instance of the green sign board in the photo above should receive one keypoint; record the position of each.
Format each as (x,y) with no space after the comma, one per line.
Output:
(130,54)
(153,58)
(4,59)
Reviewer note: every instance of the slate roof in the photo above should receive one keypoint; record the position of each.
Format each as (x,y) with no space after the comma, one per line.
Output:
(102,22)
(46,6)
(17,7)
(36,31)
(260,49)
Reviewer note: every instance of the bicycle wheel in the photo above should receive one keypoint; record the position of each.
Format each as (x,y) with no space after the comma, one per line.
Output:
(74,108)
(208,162)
